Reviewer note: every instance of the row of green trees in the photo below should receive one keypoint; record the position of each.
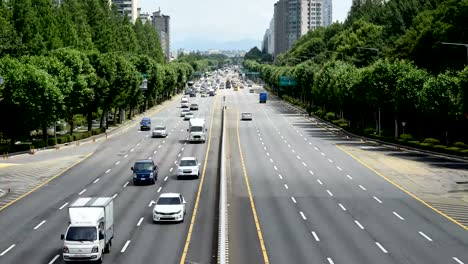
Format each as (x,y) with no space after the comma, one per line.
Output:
(430,105)
(203,63)
(388,59)
(39,90)
(69,59)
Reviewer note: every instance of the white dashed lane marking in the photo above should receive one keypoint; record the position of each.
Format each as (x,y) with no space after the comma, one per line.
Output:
(311,172)
(397,215)
(377,199)
(381,247)
(362,187)
(349,177)
(294,200)
(63,206)
(107,171)
(342,207)
(457,260)
(83,191)
(125,185)
(330,193)
(39,225)
(330,261)
(303,216)
(125,246)
(96,180)
(6,250)
(115,195)
(54,259)
(117,163)
(320,182)
(139,222)
(281,177)
(425,236)
(286,186)
(358,224)
(315,236)
(160,188)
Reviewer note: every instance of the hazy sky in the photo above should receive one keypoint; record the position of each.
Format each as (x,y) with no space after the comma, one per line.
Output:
(223,20)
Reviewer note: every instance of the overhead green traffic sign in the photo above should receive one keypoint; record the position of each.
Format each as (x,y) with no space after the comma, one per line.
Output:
(287,81)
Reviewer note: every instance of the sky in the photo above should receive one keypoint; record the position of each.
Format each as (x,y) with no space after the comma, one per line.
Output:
(222,21)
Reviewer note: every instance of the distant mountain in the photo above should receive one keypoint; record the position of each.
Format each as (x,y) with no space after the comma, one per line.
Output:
(206,44)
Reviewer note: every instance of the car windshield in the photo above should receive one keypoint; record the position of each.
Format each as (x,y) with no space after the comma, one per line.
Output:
(194,105)
(184,163)
(160,128)
(168,200)
(81,233)
(143,166)
(196,129)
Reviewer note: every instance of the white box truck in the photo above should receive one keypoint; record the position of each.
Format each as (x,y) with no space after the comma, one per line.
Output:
(90,230)
(197,130)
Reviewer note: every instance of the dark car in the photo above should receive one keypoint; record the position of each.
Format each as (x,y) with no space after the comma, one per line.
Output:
(144,171)
(145,123)
(193,94)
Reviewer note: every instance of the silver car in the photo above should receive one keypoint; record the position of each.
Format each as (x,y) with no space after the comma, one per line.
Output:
(246,116)
(188,116)
(184,112)
(159,131)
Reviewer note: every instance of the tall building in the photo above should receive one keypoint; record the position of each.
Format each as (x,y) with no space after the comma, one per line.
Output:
(315,13)
(271,40)
(280,23)
(294,18)
(144,17)
(162,24)
(127,7)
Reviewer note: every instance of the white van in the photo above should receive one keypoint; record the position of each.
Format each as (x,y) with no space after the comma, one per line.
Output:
(197,130)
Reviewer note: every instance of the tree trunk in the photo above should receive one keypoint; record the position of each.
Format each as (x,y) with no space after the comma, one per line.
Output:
(396,128)
(44,133)
(104,113)
(90,120)
(72,125)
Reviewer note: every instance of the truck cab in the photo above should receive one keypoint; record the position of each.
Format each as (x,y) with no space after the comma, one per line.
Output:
(90,231)
(197,130)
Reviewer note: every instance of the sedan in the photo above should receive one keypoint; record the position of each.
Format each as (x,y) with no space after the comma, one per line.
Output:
(188,116)
(169,207)
(246,116)
(188,167)
(193,107)
(159,131)
(184,112)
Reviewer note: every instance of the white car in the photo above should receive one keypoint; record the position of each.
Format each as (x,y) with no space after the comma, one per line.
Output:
(169,207)
(184,112)
(159,131)
(246,116)
(204,94)
(188,116)
(188,167)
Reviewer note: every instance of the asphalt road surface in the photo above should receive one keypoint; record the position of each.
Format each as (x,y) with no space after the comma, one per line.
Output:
(294,197)
(31,227)
(313,203)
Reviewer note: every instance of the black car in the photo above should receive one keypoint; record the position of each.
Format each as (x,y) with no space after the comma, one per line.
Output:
(193,94)
(145,171)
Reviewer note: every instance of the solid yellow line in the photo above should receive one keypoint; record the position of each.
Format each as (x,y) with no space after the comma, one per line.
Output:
(200,187)
(403,189)
(4,165)
(44,183)
(252,203)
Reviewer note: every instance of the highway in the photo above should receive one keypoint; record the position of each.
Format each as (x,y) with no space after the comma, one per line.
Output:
(313,203)
(31,227)
(294,196)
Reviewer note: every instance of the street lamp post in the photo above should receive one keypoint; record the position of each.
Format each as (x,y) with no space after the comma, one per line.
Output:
(458,44)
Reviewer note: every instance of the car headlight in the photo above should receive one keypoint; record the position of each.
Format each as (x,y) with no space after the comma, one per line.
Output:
(95,249)
(179,170)
(134,175)
(151,174)
(65,250)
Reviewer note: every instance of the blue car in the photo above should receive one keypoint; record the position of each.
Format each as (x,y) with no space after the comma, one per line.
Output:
(145,123)
(144,171)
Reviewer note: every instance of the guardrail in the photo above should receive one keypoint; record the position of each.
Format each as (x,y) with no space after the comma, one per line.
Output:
(223,226)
